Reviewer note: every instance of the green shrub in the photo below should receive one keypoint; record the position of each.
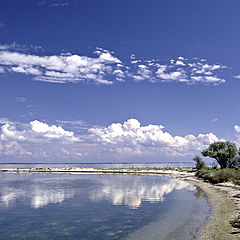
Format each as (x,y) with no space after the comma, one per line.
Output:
(223,175)
(200,164)
(219,175)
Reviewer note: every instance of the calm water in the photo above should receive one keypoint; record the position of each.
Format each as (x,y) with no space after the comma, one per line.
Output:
(99,165)
(61,206)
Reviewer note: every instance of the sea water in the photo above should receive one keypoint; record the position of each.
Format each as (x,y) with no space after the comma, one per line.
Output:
(71,207)
(99,165)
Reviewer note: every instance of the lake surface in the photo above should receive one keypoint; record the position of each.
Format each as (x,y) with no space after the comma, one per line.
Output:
(61,206)
(98,165)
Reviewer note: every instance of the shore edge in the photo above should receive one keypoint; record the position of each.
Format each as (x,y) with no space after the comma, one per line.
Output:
(225,209)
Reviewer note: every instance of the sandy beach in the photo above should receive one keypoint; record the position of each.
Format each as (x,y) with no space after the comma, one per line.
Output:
(224,198)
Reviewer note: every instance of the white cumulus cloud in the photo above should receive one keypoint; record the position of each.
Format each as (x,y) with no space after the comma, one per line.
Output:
(36,131)
(237,130)
(132,134)
(118,140)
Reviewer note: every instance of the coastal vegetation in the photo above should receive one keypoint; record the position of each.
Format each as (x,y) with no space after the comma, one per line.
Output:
(219,175)
(225,153)
(227,165)
(200,164)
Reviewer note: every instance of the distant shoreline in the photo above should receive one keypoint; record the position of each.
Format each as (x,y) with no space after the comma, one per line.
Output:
(67,163)
(221,196)
(157,171)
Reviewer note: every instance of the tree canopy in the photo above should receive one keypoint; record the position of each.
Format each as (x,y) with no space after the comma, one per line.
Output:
(224,152)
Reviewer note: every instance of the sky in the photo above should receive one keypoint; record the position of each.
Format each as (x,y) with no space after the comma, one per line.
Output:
(117,81)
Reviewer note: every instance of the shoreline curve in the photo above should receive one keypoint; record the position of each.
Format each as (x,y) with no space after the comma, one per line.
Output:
(224,198)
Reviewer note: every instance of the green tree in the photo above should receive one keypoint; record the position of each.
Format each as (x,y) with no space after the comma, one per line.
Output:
(223,152)
(199,162)
(235,163)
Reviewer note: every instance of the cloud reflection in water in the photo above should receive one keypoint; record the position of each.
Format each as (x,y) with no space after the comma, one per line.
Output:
(37,193)
(131,191)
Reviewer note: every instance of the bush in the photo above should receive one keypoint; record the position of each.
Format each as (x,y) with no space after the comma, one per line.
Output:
(219,175)
(223,175)
(200,164)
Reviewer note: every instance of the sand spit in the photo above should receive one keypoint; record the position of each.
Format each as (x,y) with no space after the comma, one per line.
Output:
(224,198)
(100,171)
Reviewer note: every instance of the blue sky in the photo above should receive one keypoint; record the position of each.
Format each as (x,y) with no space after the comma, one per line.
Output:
(100,81)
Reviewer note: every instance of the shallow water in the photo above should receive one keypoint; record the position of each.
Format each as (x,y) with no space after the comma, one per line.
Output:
(62,206)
